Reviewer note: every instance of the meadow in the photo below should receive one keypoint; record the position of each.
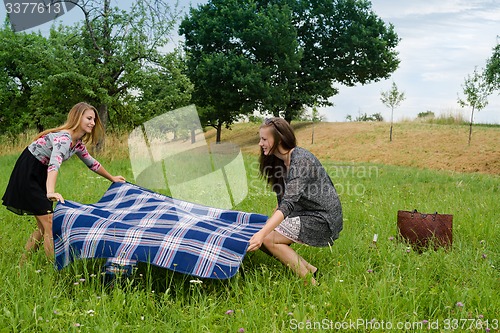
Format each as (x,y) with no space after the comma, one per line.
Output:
(363,288)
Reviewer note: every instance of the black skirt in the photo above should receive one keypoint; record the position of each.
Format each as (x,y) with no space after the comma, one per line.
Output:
(26,193)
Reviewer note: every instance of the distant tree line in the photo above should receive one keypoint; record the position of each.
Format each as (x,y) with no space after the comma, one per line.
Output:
(278,57)
(426,114)
(365,117)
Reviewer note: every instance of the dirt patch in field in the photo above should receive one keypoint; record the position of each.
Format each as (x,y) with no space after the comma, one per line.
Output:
(440,147)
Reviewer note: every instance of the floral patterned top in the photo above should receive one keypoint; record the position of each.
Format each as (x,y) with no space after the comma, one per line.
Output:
(54,148)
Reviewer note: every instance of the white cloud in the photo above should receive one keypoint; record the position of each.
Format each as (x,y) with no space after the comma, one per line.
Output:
(441,43)
(406,8)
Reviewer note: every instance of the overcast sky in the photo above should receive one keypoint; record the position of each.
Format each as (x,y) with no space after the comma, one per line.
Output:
(442,41)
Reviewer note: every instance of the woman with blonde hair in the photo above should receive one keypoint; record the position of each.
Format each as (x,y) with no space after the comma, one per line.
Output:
(309,209)
(32,185)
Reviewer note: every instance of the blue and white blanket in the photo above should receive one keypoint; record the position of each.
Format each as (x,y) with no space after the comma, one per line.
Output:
(131,224)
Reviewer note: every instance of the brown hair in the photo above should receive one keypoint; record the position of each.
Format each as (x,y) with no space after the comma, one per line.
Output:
(73,121)
(271,167)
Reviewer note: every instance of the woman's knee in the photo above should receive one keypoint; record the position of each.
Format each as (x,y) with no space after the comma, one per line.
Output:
(45,221)
(267,242)
(273,239)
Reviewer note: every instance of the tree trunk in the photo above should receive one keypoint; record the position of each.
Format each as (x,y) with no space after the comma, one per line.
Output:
(193,135)
(470,125)
(39,126)
(219,132)
(392,117)
(312,134)
(103,115)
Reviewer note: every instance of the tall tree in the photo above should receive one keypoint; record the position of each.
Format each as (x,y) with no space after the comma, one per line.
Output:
(119,44)
(476,91)
(114,59)
(392,99)
(343,41)
(13,79)
(230,47)
(162,88)
(289,52)
(31,65)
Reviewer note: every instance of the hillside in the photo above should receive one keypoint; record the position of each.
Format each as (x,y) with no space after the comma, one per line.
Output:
(441,147)
(421,145)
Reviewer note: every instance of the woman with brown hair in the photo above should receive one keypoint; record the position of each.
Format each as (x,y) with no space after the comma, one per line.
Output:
(309,209)
(31,188)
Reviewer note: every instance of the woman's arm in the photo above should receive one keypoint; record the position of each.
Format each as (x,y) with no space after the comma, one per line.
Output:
(94,165)
(51,186)
(52,179)
(271,224)
(104,173)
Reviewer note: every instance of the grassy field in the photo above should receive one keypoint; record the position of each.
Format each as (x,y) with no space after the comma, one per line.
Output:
(363,288)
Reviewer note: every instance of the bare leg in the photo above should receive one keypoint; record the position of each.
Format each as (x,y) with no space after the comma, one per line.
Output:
(48,240)
(35,239)
(278,246)
(33,243)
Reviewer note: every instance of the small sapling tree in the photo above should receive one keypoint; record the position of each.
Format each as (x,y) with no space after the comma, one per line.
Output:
(476,91)
(392,98)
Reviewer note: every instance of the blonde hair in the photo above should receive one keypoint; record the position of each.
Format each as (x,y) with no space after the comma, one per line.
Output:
(73,122)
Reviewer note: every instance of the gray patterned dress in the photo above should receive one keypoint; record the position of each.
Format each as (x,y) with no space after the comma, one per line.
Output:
(310,194)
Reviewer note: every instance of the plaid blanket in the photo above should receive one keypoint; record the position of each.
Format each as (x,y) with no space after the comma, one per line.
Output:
(130,223)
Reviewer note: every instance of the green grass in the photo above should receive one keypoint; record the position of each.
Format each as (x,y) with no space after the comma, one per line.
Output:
(365,287)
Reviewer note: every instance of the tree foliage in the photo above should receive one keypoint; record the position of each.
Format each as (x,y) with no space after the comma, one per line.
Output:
(122,49)
(115,59)
(231,47)
(38,79)
(426,114)
(283,56)
(373,117)
(492,70)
